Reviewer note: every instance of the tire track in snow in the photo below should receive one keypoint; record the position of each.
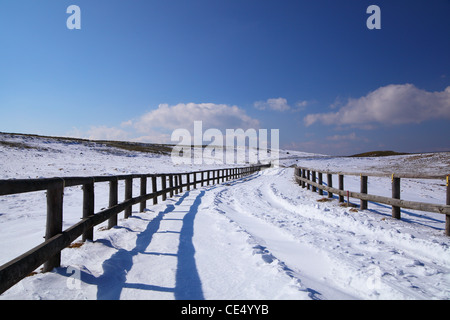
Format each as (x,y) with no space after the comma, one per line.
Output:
(364,254)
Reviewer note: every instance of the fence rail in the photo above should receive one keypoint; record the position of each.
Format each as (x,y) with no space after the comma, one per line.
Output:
(306,177)
(49,252)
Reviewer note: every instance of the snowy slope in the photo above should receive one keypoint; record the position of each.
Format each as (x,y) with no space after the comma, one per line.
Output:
(260,237)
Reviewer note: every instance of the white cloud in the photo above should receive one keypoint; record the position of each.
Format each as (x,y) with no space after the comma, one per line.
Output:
(182,115)
(157,125)
(302,104)
(392,104)
(348,137)
(278,104)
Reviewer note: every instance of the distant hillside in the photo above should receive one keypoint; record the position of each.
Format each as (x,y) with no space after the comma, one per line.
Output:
(378,154)
(26,143)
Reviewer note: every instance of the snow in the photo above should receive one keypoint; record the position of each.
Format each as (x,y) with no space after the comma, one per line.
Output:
(260,237)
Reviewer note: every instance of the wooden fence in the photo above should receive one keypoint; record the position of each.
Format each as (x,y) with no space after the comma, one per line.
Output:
(306,177)
(49,252)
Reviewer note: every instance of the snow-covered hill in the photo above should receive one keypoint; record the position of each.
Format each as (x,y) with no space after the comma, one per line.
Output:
(260,237)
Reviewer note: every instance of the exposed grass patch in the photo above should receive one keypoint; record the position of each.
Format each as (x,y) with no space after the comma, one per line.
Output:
(75,245)
(324,200)
(378,154)
(123,145)
(19,145)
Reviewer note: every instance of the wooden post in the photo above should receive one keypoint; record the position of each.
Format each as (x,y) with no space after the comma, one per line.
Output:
(143,204)
(314,180)
(164,187)
(395,195)
(176,183)
(54,220)
(330,184)
(180,180)
(303,176)
(348,198)
(188,181)
(128,195)
(195,180)
(113,198)
(88,208)
(207,178)
(363,203)
(320,183)
(341,187)
(308,173)
(154,188)
(171,185)
(447,217)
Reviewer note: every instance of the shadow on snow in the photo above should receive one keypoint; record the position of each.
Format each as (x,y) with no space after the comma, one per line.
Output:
(115,269)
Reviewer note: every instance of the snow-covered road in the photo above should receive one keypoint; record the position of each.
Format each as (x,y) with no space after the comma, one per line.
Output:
(259,237)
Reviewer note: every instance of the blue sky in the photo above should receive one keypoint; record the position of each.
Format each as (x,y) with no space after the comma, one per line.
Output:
(137,70)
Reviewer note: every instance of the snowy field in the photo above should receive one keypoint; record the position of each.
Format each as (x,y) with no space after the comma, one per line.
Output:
(259,237)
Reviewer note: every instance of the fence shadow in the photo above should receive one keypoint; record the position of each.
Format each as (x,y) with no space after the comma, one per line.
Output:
(188,285)
(187,280)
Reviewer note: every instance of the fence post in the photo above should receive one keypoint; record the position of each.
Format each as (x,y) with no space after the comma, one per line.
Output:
(54,220)
(88,208)
(171,185)
(330,184)
(447,217)
(308,177)
(304,177)
(113,198)
(176,184)
(180,181)
(188,181)
(314,180)
(143,203)
(395,195)
(320,183)
(195,180)
(128,195)
(341,187)
(363,203)
(163,187)
(154,187)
